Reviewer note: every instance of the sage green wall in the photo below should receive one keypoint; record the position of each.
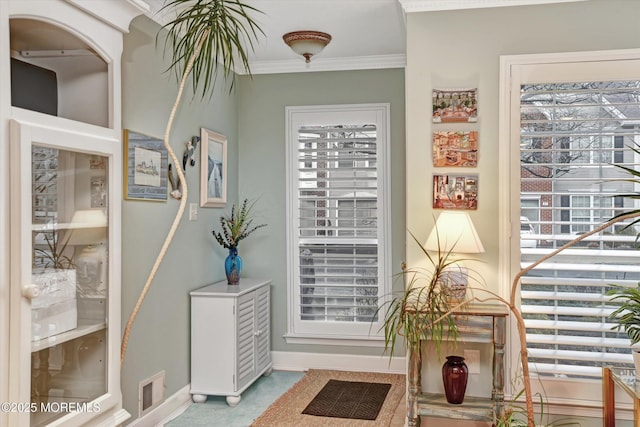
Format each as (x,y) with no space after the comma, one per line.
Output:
(160,336)
(261,114)
(462,49)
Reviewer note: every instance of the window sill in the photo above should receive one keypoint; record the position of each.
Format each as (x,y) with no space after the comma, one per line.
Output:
(333,340)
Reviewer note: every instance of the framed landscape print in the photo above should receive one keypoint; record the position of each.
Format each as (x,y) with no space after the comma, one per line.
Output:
(455,105)
(145,167)
(455,192)
(455,149)
(213,169)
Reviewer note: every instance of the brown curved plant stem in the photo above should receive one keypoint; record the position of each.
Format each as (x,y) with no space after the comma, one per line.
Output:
(524,358)
(183,201)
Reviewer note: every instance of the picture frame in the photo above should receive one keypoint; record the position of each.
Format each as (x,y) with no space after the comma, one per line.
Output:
(213,169)
(455,105)
(145,167)
(455,192)
(455,149)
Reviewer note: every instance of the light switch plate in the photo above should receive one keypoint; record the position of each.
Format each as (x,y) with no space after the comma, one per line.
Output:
(193,211)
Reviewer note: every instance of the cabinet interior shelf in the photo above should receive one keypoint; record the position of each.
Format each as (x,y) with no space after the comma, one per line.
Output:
(63,226)
(82,330)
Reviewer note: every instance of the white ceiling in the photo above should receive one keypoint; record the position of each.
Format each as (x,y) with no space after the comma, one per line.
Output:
(366,34)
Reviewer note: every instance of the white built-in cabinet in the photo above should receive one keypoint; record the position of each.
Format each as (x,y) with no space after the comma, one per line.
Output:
(230,339)
(61,180)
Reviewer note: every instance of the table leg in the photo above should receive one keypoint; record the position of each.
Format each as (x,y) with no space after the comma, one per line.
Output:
(414,388)
(636,412)
(608,397)
(497,392)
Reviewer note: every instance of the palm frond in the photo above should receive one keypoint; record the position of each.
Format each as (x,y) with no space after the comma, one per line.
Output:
(627,315)
(423,309)
(228,30)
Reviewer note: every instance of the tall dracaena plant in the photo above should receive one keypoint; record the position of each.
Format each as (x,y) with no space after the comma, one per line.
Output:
(424,307)
(206,35)
(216,33)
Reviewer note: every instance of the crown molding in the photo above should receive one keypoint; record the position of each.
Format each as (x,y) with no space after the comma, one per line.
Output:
(118,13)
(327,64)
(410,6)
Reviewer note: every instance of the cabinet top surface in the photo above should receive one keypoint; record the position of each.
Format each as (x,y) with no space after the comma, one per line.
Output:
(222,289)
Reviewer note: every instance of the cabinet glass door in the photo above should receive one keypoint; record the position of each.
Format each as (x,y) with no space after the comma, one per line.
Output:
(69,256)
(63,289)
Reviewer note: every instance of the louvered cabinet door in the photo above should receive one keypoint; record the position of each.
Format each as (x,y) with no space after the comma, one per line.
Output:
(263,329)
(228,358)
(246,349)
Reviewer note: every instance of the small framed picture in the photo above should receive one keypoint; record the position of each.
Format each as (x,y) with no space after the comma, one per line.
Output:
(213,169)
(455,192)
(455,149)
(145,167)
(455,105)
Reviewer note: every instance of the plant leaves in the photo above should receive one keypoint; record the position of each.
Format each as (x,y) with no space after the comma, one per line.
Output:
(228,29)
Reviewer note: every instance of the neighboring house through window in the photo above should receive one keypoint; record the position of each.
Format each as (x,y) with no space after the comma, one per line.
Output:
(337,220)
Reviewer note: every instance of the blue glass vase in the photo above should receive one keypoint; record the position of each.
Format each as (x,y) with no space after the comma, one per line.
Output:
(233,266)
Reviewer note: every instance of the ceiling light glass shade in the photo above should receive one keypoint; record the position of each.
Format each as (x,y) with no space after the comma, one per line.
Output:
(455,232)
(307,43)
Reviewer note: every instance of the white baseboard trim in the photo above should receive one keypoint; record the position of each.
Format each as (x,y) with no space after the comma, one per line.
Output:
(173,406)
(292,361)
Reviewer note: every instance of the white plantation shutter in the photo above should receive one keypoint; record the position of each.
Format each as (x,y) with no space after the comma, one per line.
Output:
(572,134)
(337,220)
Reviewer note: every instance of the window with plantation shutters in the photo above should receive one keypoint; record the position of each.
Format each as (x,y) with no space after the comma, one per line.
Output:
(567,137)
(337,224)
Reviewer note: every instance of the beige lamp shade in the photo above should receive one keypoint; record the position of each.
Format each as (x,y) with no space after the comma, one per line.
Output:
(454,231)
(307,43)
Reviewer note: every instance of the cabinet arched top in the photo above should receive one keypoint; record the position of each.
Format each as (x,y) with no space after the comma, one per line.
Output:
(65,56)
(38,36)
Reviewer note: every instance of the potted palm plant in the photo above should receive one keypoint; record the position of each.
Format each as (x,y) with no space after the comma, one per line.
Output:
(627,317)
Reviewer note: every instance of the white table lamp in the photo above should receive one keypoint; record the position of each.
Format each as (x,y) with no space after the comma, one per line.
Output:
(455,233)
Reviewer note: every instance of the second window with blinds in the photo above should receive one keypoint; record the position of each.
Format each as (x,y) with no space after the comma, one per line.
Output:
(568,138)
(338,221)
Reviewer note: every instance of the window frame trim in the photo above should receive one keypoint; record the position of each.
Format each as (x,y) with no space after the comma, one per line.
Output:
(333,332)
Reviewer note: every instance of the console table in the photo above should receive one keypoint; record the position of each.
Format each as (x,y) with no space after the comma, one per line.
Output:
(472,323)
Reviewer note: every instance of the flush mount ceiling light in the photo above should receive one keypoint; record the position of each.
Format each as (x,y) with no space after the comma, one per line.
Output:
(307,43)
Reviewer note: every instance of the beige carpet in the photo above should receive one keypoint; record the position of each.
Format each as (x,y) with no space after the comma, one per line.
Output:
(287,410)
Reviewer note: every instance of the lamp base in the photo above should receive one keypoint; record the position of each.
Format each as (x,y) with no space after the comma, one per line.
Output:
(454,282)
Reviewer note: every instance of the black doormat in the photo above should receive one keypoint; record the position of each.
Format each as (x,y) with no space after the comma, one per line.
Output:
(349,399)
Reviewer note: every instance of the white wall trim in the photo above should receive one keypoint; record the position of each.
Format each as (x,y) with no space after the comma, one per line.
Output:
(435,5)
(373,62)
(173,406)
(292,361)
